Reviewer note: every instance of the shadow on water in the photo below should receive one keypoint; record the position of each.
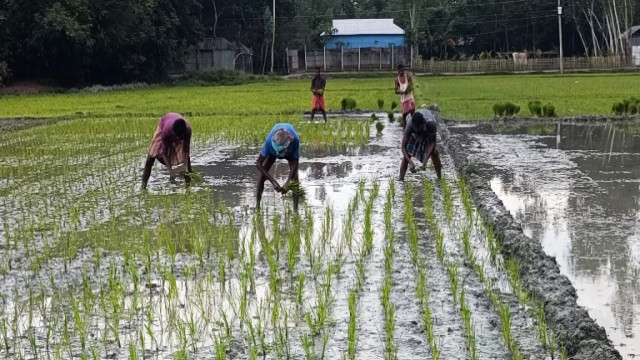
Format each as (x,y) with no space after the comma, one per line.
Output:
(576,189)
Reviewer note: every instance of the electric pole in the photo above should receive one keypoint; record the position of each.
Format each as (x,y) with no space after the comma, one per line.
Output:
(560,34)
(273,36)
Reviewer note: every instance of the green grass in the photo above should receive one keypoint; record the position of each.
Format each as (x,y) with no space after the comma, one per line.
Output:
(280,97)
(463,97)
(472,97)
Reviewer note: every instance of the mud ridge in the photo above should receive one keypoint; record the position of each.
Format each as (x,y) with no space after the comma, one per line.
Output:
(525,120)
(575,331)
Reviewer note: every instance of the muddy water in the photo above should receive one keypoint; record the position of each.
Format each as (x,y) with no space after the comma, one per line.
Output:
(331,177)
(576,189)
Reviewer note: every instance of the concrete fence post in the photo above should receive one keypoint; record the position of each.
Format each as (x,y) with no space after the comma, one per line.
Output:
(391,57)
(411,57)
(305,58)
(358,59)
(342,58)
(324,58)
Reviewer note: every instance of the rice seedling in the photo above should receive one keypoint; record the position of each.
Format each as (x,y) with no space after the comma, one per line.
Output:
(466,197)
(375,190)
(440,245)
(308,345)
(368,228)
(466,241)
(194,177)
(295,188)
(448,199)
(492,242)
(389,329)
(505,322)
(300,288)
(452,270)
(541,322)
(563,355)
(512,268)
(379,127)
(552,345)
(351,332)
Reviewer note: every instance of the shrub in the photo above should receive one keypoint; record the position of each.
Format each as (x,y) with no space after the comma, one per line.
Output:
(535,108)
(394,105)
(220,77)
(498,109)
(348,104)
(511,109)
(549,110)
(380,104)
(379,126)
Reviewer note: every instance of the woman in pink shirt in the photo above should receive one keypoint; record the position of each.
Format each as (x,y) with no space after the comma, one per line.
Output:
(170,145)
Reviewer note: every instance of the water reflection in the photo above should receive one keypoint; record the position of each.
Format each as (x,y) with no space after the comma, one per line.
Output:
(576,189)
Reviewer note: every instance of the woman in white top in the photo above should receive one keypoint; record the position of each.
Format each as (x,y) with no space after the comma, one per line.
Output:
(404,87)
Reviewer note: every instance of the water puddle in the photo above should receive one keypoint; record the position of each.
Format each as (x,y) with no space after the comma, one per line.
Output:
(576,189)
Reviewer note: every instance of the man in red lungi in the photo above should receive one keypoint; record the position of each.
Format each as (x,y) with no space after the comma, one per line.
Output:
(404,88)
(317,88)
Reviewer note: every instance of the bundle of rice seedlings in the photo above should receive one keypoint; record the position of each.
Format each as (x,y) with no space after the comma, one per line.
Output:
(195,177)
(379,126)
(295,188)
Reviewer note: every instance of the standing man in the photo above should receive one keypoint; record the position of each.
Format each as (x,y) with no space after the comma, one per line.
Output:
(404,88)
(281,143)
(419,141)
(170,145)
(317,88)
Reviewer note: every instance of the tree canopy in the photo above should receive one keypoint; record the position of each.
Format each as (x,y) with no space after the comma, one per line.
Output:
(115,41)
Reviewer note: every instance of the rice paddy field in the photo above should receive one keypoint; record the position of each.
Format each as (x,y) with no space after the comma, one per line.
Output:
(92,267)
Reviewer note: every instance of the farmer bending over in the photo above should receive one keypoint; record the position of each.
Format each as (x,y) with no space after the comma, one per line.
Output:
(317,88)
(419,141)
(170,145)
(404,88)
(281,143)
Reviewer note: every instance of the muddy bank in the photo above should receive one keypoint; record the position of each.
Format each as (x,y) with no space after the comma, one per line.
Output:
(527,120)
(581,337)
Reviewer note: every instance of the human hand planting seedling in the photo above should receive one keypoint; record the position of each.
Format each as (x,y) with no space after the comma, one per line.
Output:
(195,177)
(282,142)
(170,145)
(295,188)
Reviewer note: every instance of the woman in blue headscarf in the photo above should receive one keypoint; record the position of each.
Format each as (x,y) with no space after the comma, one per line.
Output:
(281,143)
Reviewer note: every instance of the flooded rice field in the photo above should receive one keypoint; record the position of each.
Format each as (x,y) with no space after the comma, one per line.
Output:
(575,188)
(368,268)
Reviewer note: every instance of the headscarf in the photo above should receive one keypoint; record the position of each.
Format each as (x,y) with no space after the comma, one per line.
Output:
(281,140)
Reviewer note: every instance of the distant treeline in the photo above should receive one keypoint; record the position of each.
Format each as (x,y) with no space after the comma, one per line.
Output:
(115,41)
